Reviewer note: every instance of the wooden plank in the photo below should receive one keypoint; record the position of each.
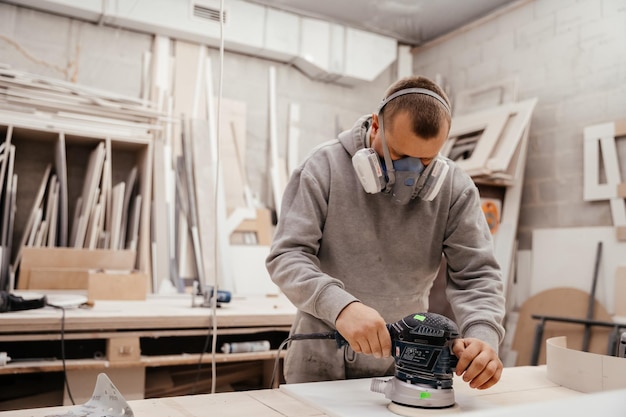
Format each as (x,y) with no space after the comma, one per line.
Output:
(145,159)
(159,221)
(518,122)
(60,166)
(6,238)
(73,258)
(278,174)
(5,148)
(107,185)
(134,224)
(232,148)
(54,216)
(128,193)
(222,276)
(32,218)
(107,285)
(55,278)
(117,202)
(49,206)
(203,197)
(293,139)
(90,185)
(12,212)
(619,292)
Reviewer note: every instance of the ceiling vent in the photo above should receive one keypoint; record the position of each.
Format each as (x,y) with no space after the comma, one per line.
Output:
(201,11)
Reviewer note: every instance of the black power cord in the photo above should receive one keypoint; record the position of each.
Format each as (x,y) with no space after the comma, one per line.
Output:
(67,384)
(308,336)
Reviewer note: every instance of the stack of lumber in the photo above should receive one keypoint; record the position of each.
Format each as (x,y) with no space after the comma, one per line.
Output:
(47,102)
(106,215)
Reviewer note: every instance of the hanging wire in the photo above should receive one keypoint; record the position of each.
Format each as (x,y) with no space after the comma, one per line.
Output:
(63,358)
(216,264)
(212,333)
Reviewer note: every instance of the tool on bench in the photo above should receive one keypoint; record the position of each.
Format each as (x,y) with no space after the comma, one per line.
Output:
(424,362)
(207,294)
(421,348)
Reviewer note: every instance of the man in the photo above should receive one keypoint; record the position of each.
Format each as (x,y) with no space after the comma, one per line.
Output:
(364,223)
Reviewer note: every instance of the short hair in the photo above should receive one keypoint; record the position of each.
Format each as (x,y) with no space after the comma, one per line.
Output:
(427,112)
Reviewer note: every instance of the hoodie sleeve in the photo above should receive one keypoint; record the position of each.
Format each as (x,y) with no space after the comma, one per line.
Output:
(293,263)
(475,288)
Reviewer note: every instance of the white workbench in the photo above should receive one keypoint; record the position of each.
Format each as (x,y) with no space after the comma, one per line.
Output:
(522,391)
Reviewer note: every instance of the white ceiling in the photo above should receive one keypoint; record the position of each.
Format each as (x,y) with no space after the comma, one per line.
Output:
(409,21)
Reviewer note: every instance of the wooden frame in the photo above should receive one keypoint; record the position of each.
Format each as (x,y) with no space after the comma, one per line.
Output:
(602,137)
(498,146)
(596,137)
(490,123)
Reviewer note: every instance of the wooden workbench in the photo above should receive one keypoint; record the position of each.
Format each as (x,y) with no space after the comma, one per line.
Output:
(124,338)
(522,391)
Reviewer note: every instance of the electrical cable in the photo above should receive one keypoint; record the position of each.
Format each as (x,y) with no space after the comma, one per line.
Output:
(67,384)
(212,333)
(293,337)
(215,199)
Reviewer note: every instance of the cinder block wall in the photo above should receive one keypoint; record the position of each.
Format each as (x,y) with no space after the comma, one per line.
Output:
(569,54)
(111,59)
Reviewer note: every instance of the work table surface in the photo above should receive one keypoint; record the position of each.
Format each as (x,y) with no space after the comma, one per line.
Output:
(159,312)
(519,387)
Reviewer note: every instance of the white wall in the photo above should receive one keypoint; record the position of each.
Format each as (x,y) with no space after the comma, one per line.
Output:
(111,58)
(569,54)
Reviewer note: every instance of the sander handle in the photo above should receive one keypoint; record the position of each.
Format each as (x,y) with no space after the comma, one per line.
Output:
(341,341)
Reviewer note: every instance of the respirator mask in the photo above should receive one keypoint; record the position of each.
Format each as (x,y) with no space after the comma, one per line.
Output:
(406,178)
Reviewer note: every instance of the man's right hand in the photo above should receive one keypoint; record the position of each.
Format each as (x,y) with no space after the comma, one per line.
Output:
(364,329)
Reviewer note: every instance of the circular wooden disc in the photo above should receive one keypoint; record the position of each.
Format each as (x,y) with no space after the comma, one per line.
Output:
(559,302)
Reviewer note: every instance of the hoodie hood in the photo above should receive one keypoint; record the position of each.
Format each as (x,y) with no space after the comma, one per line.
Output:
(354,139)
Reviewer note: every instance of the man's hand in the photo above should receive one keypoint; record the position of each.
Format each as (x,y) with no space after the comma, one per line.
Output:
(478,363)
(365,330)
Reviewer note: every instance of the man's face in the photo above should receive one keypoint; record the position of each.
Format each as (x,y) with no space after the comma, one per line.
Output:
(403,142)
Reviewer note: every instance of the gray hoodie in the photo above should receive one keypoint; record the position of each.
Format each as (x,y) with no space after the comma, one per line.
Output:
(336,244)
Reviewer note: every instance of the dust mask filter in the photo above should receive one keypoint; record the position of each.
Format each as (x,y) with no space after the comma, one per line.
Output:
(407,174)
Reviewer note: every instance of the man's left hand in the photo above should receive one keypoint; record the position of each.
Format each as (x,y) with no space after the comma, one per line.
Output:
(478,363)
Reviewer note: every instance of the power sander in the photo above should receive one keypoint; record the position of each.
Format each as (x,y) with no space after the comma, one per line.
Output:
(425,364)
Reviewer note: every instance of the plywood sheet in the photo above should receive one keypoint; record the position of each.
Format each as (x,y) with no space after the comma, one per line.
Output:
(565,257)
(583,371)
(353,397)
(251,277)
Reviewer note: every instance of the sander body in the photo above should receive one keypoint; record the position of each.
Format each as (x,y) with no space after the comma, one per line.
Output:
(424,362)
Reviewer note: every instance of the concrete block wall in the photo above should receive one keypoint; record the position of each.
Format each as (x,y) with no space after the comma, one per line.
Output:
(569,54)
(111,59)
